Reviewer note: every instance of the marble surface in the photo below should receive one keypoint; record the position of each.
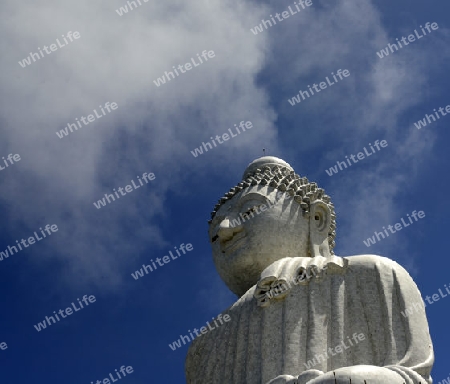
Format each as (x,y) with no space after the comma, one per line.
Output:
(304,314)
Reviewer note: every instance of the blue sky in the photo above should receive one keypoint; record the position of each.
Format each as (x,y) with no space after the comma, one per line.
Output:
(153,130)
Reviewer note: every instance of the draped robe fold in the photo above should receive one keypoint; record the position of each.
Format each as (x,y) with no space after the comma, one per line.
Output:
(293,332)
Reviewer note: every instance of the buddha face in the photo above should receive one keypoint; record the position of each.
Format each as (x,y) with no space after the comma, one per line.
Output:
(255,228)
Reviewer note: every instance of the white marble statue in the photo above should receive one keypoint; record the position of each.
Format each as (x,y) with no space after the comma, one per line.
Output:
(304,316)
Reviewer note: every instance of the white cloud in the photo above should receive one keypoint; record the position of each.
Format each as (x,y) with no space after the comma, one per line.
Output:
(117,59)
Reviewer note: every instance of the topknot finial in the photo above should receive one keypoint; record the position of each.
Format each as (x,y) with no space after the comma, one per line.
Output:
(261,162)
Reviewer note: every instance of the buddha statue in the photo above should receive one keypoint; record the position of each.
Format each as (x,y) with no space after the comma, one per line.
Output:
(304,315)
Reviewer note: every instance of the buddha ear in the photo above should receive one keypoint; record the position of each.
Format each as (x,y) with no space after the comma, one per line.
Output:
(320,217)
(319,226)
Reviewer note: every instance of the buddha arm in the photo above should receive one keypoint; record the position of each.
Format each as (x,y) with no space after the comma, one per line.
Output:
(401,349)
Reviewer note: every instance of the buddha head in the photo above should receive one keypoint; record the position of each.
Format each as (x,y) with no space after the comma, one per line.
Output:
(271,214)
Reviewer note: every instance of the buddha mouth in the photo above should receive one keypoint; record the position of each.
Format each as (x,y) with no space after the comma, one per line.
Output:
(232,243)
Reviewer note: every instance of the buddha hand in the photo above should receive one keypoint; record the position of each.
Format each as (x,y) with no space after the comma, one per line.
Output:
(304,378)
(283,379)
(359,374)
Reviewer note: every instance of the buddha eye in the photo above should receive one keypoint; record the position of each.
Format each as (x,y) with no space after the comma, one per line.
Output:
(252,209)
(214,223)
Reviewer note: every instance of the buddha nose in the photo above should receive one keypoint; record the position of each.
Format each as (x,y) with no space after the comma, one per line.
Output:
(228,227)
